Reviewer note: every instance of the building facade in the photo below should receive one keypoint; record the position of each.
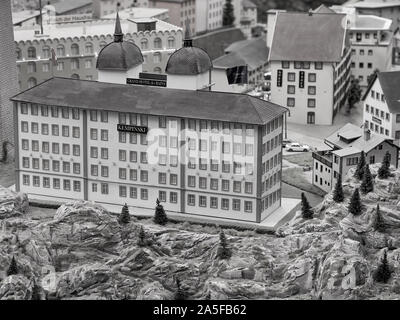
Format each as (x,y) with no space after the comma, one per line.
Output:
(345,150)
(381,106)
(80,152)
(182,13)
(200,152)
(311,72)
(76,56)
(8,73)
(103,8)
(371,40)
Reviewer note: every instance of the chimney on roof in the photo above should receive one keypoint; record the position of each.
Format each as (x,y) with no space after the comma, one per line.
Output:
(367,134)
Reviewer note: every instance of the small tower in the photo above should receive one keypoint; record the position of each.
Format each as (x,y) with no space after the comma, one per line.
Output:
(190,67)
(120,59)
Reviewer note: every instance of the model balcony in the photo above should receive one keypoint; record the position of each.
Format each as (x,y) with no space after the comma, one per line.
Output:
(325,157)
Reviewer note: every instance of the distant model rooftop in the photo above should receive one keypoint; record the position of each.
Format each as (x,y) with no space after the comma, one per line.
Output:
(204,105)
(308,37)
(375,4)
(87,28)
(137,12)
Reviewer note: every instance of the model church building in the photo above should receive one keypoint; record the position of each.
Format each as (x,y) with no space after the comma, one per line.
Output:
(132,137)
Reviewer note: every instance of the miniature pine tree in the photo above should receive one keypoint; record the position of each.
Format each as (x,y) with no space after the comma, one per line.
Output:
(355,207)
(228,16)
(383,273)
(13,268)
(379,225)
(338,192)
(306,210)
(160,216)
(125,217)
(179,294)
(360,167)
(384,170)
(367,184)
(223,251)
(141,236)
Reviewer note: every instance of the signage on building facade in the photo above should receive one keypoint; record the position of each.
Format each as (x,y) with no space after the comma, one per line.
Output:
(132,129)
(74,18)
(279,79)
(375,119)
(301,79)
(147,82)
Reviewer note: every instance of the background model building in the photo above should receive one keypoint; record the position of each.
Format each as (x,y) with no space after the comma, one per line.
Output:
(78,139)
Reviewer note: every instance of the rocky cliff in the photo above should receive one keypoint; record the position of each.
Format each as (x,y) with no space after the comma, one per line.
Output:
(84,253)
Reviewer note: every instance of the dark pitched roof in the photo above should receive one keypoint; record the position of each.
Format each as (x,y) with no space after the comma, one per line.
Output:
(390,84)
(253,53)
(65,6)
(323,9)
(205,105)
(214,43)
(308,37)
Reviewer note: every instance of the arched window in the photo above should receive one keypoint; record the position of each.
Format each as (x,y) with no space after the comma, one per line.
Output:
(31,67)
(144,43)
(157,43)
(89,48)
(102,44)
(32,82)
(157,57)
(18,53)
(74,49)
(75,76)
(31,52)
(171,42)
(46,52)
(60,50)
(74,64)
(157,70)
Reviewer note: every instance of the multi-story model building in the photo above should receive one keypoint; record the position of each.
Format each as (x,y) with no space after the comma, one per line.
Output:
(389,9)
(248,17)
(371,42)
(8,73)
(200,152)
(75,47)
(345,147)
(310,65)
(382,107)
(102,8)
(182,13)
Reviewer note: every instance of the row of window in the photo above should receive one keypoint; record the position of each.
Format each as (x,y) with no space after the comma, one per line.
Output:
(378,96)
(75,49)
(379,113)
(46,183)
(271,163)
(214,184)
(311,90)
(271,144)
(225,203)
(55,147)
(291,77)
(66,165)
(377,128)
(55,129)
(302,65)
(362,52)
(45,111)
(311,102)
(361,65)
(272,181)
(270,199)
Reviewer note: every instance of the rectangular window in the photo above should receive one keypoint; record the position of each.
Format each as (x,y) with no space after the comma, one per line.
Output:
(173,197)
(173,179)
(104,135)
(104,188)
(312,90)
(236,204)
(290,102)
(144,176)
(104,171)
(291,77)
(133,192)
(94,152)
(122,155)
(122,173)
(225,204)
(133,174)
(144,194)
(248,206)
(104,153)
(191,200)
(214,203)
(162,196)
(122,191)
(56,183)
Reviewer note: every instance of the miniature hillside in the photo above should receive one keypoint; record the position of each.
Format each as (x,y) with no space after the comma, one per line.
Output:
(94,256)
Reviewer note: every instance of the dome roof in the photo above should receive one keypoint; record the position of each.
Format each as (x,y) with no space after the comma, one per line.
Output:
(188,61)
(120,54)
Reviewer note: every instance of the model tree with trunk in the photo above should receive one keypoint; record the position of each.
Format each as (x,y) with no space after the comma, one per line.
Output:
(338,195)
(367,184)
(355,207)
